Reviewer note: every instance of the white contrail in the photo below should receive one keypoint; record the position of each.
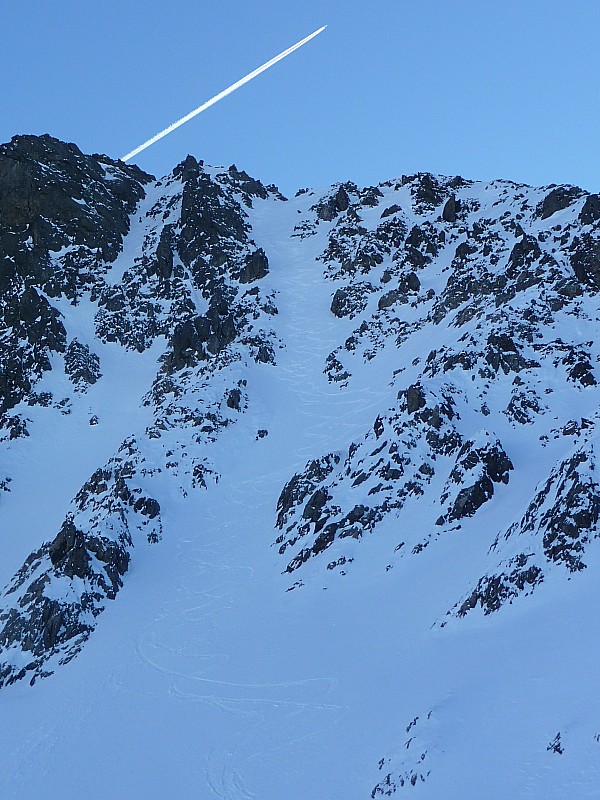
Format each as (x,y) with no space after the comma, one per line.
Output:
(220,96)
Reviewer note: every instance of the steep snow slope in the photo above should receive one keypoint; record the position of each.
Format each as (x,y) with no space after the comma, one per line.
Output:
(331,436)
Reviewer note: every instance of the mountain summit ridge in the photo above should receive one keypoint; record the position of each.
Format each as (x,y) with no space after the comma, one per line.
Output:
(373,383)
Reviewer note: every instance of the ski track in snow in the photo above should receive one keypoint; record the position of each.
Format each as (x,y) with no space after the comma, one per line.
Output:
(210,586)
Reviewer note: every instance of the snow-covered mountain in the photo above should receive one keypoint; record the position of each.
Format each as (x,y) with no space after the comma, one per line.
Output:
(300,497)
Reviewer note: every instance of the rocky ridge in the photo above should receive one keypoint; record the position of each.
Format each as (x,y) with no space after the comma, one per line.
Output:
(188,286)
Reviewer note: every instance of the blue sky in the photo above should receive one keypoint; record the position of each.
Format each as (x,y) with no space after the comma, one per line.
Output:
(482,89)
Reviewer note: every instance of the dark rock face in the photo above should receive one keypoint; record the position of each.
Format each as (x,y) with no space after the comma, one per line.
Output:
(200,338)
(585,259)
(203,248)
(470,498)
(351,300)
(32,331)
(342,201)
(234,398)
(248,186)
(393,209)
(329,209)
(255,268)
(65,197)
(451,206)
(558,199)
(312,510)
(52,196)
(212,231)
(163,265)
(526,252)
(300,486)
(421,245)
(570,522)
(68,551)
(476,470)
(54,630)
(590,213)
(502,353)
(388,299)
(425,189)
(340,304)
(555,746)
(415,398)
(564,514)
(81,365)
(407,284)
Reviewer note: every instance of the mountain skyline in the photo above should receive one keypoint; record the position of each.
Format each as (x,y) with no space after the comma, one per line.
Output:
(486,91)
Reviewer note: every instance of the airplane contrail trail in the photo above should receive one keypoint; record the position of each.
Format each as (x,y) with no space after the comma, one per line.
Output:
(220,96)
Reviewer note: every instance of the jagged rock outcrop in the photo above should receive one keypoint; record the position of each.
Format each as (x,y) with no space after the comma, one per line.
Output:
(555,531)
(496,307)
(392,466)
(41,626)
(63,219)
(558,199)
(480,464)
(63,215)
(81,365)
